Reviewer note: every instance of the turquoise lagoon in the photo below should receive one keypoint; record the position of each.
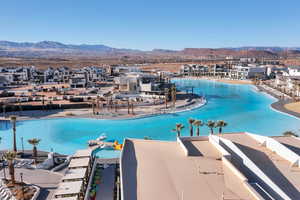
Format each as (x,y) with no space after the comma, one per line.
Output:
(242,106)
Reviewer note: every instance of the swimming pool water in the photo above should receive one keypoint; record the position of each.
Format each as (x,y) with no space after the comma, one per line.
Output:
(241,106)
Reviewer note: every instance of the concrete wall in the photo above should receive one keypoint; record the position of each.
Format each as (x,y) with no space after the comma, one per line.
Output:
(87,192)
(263,179)
(230,171)
(183,147)
(214,140)
(278,148)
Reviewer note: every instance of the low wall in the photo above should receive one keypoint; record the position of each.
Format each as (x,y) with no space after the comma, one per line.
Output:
(232,170)
(87,191)
(278,148)
(214,140)
(265,181)
(183,147)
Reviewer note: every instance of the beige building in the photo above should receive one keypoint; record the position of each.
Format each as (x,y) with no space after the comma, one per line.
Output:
(186,169)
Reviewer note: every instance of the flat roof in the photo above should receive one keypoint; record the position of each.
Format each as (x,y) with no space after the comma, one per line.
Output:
(278,169)
(83,153)
(79,162)
(75,174)
(290,142)
(160,170)
(68,188)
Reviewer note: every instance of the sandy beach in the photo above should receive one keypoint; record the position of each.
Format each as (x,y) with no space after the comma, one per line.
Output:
(295,107)
(230,81)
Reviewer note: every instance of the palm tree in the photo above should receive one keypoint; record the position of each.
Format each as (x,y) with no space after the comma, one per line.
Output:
(198,123)
(128,107)
(4,110)
(166,97)
(147,138)
(191,121)
(13,120)
(132,105)
(211,125)
(173,90)
(93,106)
(221,124)
(178,129)
(10,157)
(34,142)
(290,133)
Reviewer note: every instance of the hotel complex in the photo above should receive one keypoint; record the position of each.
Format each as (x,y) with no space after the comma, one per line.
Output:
(224,166)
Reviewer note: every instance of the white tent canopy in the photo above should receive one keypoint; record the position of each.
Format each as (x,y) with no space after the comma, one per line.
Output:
(79,162)
(82,153)
(68,188)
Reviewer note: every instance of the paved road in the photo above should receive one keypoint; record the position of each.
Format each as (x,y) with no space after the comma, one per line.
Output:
(46,180)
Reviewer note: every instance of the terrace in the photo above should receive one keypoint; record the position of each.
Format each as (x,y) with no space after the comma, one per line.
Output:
(160,170)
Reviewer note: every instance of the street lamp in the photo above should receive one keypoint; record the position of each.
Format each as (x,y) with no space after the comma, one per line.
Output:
(53,157)
(21,174)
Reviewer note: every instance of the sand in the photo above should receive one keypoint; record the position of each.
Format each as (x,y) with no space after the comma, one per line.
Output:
(230,81)
(295,107)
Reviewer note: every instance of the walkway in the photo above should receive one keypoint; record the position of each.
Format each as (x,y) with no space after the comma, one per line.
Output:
(106,187)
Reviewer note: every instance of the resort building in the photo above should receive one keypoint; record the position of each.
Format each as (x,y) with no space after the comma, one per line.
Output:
(230,166)
(190,168)
(242,72)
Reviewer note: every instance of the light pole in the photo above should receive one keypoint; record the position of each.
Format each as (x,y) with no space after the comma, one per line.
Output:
(21,174)
(53,156)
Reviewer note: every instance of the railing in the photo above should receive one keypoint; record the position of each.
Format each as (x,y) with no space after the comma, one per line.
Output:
(265,194)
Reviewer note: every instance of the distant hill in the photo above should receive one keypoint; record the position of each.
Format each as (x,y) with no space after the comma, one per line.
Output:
(54,45)
(50,49)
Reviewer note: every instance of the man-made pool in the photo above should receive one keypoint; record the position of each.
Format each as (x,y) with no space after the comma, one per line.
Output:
(241,106)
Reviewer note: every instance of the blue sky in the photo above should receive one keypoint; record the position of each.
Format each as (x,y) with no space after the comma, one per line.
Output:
(140,24)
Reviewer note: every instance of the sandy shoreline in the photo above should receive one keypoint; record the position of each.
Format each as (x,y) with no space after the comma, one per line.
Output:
(229,81)
(286,106)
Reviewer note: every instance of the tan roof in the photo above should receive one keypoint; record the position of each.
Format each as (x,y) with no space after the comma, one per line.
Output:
(275,167)
(68,188)
(83,153)
(79,162)
(75,174)
(160,170)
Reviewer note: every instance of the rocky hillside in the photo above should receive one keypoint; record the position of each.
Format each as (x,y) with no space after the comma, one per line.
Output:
(50,49)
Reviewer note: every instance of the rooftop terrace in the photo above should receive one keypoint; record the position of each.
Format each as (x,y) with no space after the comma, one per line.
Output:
(161,170)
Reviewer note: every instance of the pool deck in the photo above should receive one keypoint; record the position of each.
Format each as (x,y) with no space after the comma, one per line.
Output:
(47,181)
(275,167)
(160,170)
